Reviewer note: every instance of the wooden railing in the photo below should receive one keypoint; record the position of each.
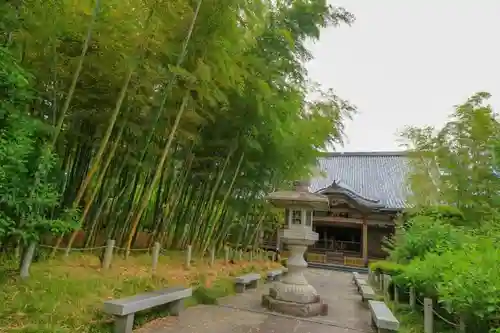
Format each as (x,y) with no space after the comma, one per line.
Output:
(316,257)
(353,261)
(332,245)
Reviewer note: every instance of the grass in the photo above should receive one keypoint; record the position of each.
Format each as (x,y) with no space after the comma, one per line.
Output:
(66,294)
(413,321)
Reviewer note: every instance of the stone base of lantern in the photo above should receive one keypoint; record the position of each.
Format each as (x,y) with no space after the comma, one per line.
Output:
(294,295)
(316,308)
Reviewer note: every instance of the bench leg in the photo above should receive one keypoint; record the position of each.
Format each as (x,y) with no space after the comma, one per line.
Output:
(124,324)
(254,284)
(240,288)
(175,307)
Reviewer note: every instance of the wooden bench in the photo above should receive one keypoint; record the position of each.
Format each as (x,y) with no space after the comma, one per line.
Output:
(382,317)
(274,275)
(367,293)
(124,309)
(251,280)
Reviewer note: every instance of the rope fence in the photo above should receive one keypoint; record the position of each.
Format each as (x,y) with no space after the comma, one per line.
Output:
(82,249)
(447,321)
(383,282)
(110,248)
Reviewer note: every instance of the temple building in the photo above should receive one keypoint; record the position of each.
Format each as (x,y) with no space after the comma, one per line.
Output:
(366,191)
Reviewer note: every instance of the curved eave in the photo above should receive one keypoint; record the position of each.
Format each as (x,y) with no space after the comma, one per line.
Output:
(336,188)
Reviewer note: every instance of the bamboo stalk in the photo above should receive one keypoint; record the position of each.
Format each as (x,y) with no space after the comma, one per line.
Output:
(76,75)
(156,176)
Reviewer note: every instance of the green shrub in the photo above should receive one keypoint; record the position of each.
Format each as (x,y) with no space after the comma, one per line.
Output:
(387,267)
(424,274)
(209,295)
(466,280)
(425,235)
(470,282)
(204,295)
(442,213)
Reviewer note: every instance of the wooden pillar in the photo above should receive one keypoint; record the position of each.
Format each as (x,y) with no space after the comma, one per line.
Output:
(365,241)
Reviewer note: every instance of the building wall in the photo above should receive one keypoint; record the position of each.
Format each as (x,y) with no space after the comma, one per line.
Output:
(375,238)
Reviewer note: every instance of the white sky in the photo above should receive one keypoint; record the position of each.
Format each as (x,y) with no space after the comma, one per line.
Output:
(407,63)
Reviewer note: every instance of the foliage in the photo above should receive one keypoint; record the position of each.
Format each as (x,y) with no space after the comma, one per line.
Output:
(28,190)
(210,294)
(387,267)
(169,117)
(456,165)
(476,291)
(424,234)
(448,214)
(448,239)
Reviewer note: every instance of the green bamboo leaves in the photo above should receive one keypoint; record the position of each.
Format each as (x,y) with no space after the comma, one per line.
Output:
(172,117)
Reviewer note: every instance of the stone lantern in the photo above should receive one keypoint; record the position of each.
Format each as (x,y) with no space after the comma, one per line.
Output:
(293,294)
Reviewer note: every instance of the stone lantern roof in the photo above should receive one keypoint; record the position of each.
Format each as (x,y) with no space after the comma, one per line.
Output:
(300,197)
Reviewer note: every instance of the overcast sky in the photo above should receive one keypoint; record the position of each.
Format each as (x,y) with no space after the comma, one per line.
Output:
(407,63)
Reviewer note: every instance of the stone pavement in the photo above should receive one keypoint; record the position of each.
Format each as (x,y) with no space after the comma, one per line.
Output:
(243,313)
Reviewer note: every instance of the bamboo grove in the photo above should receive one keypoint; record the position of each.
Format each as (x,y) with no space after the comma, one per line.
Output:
(172,117)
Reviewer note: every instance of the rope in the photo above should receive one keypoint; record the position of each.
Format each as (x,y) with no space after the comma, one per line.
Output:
(90,248)
(440,316)
(73,249)
(124,249)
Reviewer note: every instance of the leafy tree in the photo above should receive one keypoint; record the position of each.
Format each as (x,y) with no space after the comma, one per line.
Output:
(455,165)
(172,117)
(28,190)
(447,240)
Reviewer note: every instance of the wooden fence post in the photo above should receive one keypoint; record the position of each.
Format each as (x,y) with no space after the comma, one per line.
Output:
(387,282)
(250,254)
(156,255)
(26,260)
(413,298)
(428,316)
(212,256)
(274,256)
(108,254)
(396,297)
(188,256)
(462,327)
(226,255)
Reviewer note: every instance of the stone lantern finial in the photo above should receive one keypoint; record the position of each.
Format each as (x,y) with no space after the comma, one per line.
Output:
(302,185)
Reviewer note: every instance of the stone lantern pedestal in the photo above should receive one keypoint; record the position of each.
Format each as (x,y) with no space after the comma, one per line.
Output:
(293,295)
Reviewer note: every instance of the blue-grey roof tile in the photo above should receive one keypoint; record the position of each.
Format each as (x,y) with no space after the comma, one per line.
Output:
(379,176)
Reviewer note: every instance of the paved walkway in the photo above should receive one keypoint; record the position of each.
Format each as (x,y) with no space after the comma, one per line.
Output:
(243,313)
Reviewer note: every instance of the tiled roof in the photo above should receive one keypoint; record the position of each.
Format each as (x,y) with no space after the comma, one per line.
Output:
(376,176)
